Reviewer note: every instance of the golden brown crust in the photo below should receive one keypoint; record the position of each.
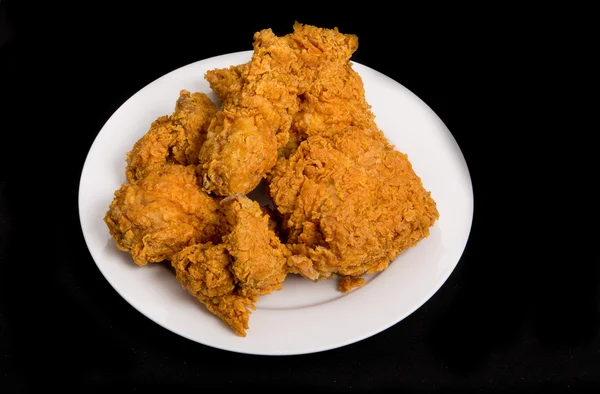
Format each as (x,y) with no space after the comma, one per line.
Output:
(349,283)
(351,202)
(259,102)
(162,213)
(259,258)
(174,139)
(203,270)
(228,277)
(296,114)
(227,83)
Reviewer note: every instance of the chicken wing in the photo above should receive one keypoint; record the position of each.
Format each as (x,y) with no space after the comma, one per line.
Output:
(203,270)
(162,213)
(173,139)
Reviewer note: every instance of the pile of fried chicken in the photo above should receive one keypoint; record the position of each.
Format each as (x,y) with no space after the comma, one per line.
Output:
(346,203)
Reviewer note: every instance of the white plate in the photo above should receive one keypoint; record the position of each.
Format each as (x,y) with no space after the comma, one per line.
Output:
(303,317)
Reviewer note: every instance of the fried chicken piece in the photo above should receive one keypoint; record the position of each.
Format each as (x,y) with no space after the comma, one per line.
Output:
(259,258)
(236,160)
(162,213)
(194,111)
(261,99)
(203,270)
(229,277)
(351,203)
(173,139)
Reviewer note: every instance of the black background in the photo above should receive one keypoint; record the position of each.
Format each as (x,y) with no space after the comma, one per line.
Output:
(502,321)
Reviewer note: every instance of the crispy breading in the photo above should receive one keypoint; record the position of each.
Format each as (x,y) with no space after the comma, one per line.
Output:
(261,99)
(351,203)
(175,139)
(349,283)
(259,257)
(229,277)
(227,83)
(347,202)
(203,270)
(162,213)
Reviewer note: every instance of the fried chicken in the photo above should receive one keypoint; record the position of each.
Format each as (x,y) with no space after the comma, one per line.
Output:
(173,139)
(334,101)
(225,253)
(260,100)
(296,116)
(203,270)
(162,213)
(227,83)
(229,277)
(351,203)
(259,258)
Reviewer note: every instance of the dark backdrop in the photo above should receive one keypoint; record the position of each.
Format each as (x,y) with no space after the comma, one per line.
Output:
(500,322)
